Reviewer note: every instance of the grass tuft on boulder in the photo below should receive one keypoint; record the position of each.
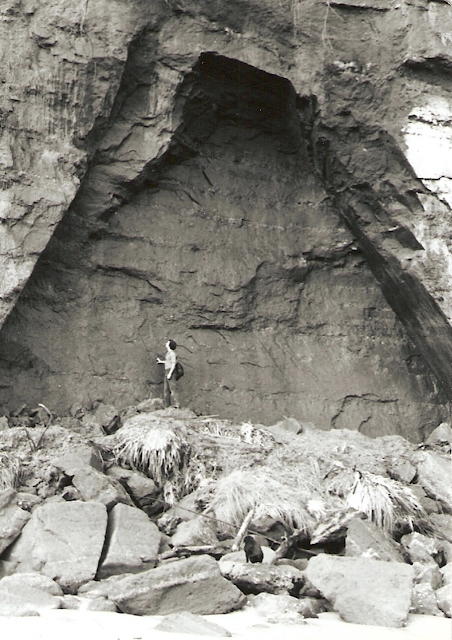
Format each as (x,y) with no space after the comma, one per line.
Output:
(242,490)
(163,450)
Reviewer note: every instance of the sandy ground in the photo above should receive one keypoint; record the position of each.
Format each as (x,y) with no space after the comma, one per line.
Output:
(247,624)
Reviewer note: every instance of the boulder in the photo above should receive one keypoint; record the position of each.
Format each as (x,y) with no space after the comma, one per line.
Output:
(35,580)
(365,539)
(421,548)
(280,609)
(401,469)
(364,591)
(435,475)
(286,609)
(107,416)
(21,599)
(443,525)
(423,600)
(194,584)
(4,424)
(258,578)
(427,573)
(132,542)
(194,532)
(79,603)
(446,573)
(80,458)
(62,540)
(142,489)
(444,599)
(12,518)
(96,486)
(186,622)
(442,433)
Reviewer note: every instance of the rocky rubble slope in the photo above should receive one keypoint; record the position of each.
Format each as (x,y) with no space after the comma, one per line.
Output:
(266,183)
(141,520)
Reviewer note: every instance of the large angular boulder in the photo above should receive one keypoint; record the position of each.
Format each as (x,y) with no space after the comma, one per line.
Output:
(194,532)
(194,584)
(83,456)
(259,577)
(365,539)
(421,548)
(62,540)
(33,579)
(142,489)
(132,543)
(21,599)
(423,600)
(96,486)
(12,518)
(364,591)
(434,473)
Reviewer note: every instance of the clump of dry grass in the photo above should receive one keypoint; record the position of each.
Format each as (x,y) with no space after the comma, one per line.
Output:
(242,490)
(10,471)
(382,500)
(163,450)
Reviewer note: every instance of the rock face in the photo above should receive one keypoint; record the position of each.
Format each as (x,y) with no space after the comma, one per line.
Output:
(62,540)
(364,591)
(270,205)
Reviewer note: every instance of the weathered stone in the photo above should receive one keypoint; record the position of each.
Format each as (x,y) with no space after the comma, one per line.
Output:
(35,580)
(88,604)
(365,539)
(4,424)
(281,609)
(364,591)
(80,458)
(435,475)
(186,622)
(401,469)
(12,518)
(62,540)
(27,501)
(132,542)
(257,578)
(420,548)
(444,599)
(446,573)
(427,573)
(194,532)
(24,597)
(107,416)
(96,486)
(142,489)
(442,433)
(443,522)
(194,585)
(423,600)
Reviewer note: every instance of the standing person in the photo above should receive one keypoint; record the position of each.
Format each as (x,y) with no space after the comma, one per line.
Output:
(170,394)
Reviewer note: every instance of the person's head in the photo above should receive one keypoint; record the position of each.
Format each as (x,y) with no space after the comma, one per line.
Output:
(171,345)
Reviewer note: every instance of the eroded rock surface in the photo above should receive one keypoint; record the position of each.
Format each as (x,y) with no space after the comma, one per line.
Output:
(269,205)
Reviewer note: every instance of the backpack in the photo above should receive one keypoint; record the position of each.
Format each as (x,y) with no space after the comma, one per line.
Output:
(178,371)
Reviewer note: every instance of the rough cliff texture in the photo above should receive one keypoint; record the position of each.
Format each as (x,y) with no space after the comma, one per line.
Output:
(267,183)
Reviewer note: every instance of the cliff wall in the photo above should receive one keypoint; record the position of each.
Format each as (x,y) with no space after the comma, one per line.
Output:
(266,183)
